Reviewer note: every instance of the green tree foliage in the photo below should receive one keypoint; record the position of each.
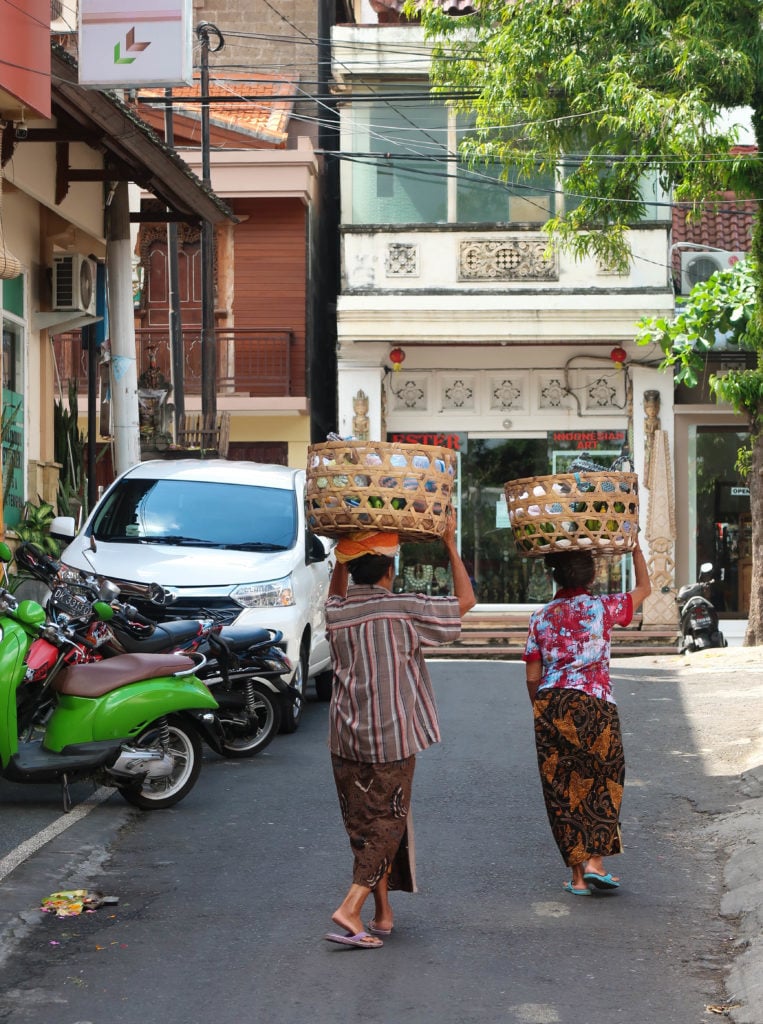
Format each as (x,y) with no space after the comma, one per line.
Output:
(613,91)
(719,311)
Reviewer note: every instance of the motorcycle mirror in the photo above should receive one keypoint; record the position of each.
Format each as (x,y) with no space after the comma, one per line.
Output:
(104,611)
(158,595)
(108,591)
(5,553)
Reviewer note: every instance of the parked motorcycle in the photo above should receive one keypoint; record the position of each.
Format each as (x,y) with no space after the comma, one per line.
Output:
(245,668)
(698,618)
(133,722)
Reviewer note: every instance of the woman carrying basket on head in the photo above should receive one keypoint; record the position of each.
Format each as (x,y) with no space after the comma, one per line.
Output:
(577,730)
(382,713)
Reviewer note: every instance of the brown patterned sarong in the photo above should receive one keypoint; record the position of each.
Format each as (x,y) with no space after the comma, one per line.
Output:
(582,771)
(375,800)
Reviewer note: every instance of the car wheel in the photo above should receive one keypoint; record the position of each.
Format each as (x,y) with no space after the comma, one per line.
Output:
(291,712)
(324,683)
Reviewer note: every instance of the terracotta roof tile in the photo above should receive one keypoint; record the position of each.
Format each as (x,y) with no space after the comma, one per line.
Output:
(727,225)
(449,6)
(267,121)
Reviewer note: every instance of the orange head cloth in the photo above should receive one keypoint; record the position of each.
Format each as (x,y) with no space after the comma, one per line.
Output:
(367,542)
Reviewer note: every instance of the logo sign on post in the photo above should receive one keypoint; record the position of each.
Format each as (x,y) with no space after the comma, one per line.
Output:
(130,45)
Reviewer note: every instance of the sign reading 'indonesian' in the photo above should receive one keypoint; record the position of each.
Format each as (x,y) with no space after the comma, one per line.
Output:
(130,45)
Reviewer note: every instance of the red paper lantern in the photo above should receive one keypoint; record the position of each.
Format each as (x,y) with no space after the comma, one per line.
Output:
(396,357)
(618,356)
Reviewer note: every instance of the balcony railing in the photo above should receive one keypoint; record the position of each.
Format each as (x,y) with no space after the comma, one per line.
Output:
(249,362)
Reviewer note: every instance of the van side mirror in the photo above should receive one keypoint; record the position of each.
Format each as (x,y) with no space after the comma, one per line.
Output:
(315,549)
(63,528)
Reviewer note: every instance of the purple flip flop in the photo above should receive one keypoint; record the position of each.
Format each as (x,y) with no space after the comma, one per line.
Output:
(371,926)
(361,940)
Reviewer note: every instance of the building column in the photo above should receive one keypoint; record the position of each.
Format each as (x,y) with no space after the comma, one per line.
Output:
(653,442)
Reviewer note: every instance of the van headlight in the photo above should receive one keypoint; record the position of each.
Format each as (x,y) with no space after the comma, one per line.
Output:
(271,594)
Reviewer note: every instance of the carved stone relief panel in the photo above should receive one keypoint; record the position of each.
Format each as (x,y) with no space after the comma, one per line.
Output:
(602,390)
(409,392)
(363,272)
(509,392)
(457,392)
(512,259)
(552,391)
(402,260)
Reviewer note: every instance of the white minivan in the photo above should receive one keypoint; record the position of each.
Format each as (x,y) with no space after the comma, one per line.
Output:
(224,539)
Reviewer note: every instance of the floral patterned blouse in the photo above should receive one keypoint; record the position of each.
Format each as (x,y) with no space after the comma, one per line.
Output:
(571,637)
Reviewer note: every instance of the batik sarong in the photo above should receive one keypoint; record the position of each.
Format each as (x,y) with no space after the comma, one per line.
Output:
(375,801)
(582,771)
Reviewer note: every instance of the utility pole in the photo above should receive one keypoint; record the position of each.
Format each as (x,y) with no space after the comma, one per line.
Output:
(208,340)
(176,325)
(124,376)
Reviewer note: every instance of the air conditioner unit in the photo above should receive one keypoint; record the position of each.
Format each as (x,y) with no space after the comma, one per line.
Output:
(74,283)
(63,16)
(699,266)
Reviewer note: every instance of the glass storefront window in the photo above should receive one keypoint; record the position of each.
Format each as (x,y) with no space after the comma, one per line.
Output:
(12,423)
(499,574)
(719,509)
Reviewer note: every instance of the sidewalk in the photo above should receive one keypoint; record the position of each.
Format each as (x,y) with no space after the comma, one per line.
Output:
(722,692)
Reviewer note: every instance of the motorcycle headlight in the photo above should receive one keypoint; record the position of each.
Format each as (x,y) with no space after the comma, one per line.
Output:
(270,594)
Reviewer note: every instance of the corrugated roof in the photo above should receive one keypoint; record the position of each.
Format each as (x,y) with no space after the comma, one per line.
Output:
(267,121)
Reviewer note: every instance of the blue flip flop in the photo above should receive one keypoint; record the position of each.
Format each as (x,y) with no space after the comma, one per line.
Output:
(568,887)
(601,881)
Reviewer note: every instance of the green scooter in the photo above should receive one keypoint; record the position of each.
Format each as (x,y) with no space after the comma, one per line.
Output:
(133,722)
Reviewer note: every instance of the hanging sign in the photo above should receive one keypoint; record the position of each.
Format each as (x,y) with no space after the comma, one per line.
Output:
(133,45)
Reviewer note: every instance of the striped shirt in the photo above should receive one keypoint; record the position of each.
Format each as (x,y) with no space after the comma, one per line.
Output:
(382,704)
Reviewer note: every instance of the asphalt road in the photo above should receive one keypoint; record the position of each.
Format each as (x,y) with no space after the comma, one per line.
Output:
(223,900)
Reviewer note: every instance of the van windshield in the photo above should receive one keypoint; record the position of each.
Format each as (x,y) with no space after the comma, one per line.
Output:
(198,513)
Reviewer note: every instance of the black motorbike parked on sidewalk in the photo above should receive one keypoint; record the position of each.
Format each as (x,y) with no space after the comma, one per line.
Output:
(698,618)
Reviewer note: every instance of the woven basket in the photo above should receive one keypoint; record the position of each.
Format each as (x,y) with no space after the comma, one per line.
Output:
(375,485)
(595,512)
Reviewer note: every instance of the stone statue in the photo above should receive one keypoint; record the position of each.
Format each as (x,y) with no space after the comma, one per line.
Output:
(360,421)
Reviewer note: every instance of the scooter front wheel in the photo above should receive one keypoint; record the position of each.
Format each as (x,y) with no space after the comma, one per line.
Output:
(183,745)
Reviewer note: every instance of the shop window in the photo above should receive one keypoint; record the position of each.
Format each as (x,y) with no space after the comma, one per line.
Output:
(720,510)
(499,574)
(12,423)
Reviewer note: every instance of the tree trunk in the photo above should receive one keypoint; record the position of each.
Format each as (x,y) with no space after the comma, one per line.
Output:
(754,634)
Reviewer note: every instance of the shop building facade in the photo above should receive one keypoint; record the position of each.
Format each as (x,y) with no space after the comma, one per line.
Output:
(456,325)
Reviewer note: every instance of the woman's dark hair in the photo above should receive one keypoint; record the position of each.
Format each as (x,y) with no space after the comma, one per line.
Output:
(572,569)
(369,569)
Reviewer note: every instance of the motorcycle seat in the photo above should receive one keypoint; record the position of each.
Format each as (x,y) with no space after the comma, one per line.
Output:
(240,638)
(165,636)
(100,677)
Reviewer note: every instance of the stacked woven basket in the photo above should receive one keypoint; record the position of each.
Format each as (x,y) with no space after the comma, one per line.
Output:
(377,485)
(584,511)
